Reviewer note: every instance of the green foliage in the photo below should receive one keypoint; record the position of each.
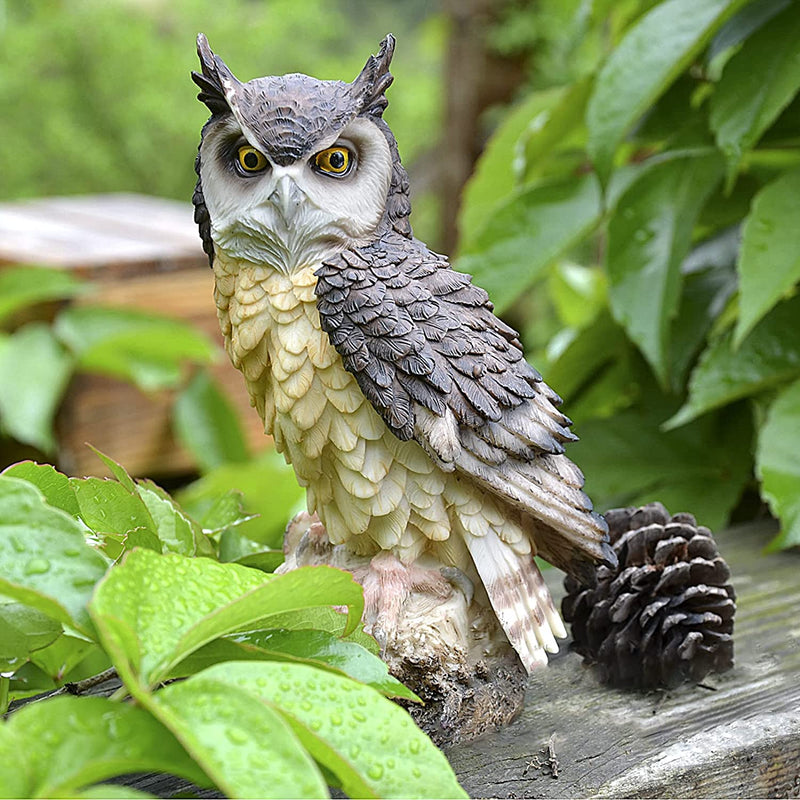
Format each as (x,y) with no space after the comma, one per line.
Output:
(38,359)
(637,222)
(280,698)
(103,101)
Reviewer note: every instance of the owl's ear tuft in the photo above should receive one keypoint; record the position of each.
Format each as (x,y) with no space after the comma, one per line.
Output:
(216,81)
(370,86)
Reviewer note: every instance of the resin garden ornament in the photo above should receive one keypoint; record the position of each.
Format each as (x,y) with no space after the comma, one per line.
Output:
(432,454)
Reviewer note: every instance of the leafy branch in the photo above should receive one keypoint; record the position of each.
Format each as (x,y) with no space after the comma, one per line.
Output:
(279,693)
(638,224)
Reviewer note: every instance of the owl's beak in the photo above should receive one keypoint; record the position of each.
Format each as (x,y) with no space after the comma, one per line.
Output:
(287,197)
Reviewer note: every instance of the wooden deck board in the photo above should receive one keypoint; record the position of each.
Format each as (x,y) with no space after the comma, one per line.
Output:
(737,735)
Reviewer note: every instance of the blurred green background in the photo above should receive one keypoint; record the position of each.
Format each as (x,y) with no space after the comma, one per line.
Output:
(623,177)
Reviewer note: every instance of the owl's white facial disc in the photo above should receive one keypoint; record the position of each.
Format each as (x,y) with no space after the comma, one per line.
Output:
(295,215)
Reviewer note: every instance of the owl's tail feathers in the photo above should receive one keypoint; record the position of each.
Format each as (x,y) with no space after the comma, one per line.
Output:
(519,596)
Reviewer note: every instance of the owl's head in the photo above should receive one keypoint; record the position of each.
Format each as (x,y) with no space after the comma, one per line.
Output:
(292,169)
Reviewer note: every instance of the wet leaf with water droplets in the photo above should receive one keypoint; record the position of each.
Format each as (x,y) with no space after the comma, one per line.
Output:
(106,506)
(768,357)
(326,650)
(178,532)
(58,746)
(53,485)
(363,751)
(243,744)
(23,630)
(35,568)
(152,611)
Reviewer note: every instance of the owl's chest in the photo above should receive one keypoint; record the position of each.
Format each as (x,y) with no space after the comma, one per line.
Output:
(294,375)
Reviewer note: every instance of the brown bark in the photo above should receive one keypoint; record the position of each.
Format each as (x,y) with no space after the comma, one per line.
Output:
(475,78)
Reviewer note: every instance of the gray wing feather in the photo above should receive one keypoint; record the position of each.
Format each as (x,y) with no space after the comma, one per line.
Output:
(419,337)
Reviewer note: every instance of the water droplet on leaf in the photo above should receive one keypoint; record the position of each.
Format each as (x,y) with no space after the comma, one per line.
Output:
(37,566)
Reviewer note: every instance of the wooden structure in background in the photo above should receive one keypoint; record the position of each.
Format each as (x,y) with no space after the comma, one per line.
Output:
(139,252)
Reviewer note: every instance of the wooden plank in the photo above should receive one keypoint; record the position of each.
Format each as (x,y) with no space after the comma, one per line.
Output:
(89,233)
(737,735)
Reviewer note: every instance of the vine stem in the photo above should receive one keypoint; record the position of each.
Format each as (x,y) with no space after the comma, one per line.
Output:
(5,683)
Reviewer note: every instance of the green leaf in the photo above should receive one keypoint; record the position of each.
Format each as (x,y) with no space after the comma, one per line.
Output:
(53,485)
(701,468)
(243,744)
(769,261)
(357,657)
(648,238)
(208,425)
(265,560)
(235,547)
(768,357)
(143,348)
(152,611)
(319,648)
(553,128)
(44,560)
(34,372)
(578,293)
(110,791)
(494,176)
(778,464)
(178,532)
(527,232)
(705,296)
(225,513)
(744,23)
(709,283)
(106,506)
(756,85)
(654,51)
(55,747)
(326,649)
(116,469)
(268,486)
(24,286)
(58,659)
(23,630)
(585,356)
(325,618)
(370,744)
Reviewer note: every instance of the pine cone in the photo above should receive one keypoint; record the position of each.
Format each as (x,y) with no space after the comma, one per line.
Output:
(665,615)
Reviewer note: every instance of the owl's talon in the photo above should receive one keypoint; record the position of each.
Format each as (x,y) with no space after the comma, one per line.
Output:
(460,581)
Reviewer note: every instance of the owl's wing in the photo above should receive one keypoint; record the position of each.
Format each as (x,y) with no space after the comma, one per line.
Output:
(441,368)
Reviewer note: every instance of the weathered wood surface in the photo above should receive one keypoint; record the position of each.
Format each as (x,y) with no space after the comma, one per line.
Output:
(737,735)
(139,252)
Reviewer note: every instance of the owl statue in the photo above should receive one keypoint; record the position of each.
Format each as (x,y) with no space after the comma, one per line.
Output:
(430,451)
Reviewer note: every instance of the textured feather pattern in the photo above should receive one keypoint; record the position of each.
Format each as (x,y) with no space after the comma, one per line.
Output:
(370,488)
(371,483)
(417,336)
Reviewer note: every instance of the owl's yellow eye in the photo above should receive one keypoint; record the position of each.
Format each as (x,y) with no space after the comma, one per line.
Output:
(250,160)
(334,160)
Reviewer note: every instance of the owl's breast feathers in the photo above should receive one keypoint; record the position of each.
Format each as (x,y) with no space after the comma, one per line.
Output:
(440,368)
